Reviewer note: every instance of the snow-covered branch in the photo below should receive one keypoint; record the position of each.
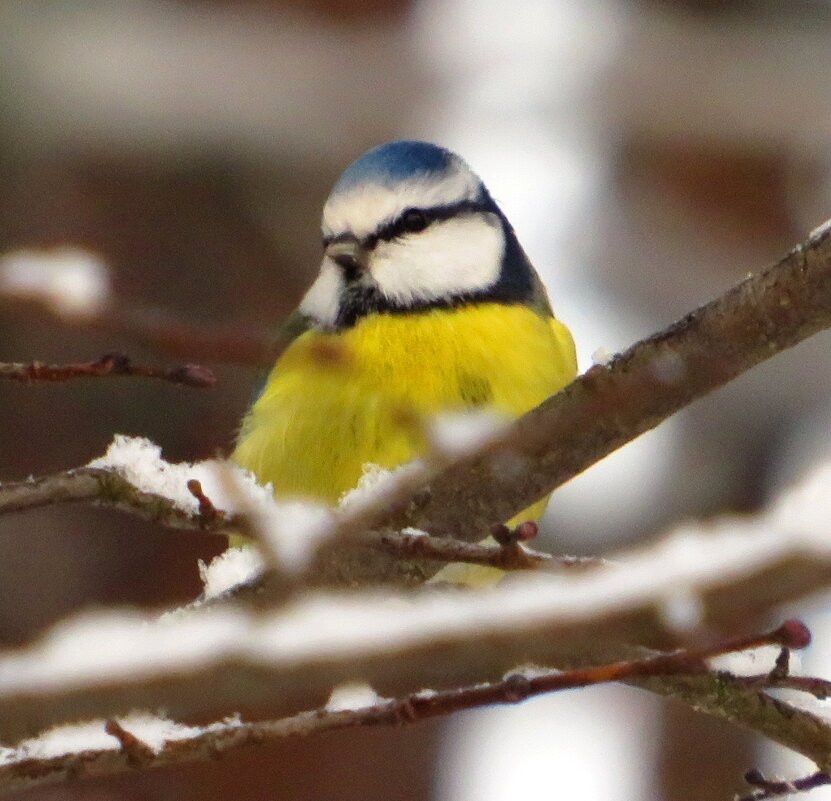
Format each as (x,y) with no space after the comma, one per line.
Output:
(98,486)
(287,660)
(599,412)
(141,741)
(133,477)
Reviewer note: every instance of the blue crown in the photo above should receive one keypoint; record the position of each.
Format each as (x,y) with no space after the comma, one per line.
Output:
(395,162)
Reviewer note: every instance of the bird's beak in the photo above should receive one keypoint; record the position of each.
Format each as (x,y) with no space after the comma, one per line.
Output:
(350,256)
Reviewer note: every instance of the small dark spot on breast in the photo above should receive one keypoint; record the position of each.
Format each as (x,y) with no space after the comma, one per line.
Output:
(475,390)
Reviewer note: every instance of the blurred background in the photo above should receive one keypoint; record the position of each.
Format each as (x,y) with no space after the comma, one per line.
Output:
(650,154)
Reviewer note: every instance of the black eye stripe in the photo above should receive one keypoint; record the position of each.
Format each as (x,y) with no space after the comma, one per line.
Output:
(328,240)
(398,227)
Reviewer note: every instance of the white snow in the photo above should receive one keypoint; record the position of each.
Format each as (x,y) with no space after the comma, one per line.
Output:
(118,644)
(140,461)
(352,696)
(803,509)
(67,739)
(292,530)
(820,230)
(155,731)
(113,646)
(456,434)
(682,610)
(232,567)
(753,661)
(601,356)
(152,730)
(378,483)
(72,281)
(532,672)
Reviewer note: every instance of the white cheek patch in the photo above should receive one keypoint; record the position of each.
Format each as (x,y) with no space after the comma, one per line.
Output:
(448,258)
(361,209)
(322,300)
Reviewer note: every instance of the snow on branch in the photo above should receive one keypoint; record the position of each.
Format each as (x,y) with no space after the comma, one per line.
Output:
(142,741)
(216,496)
(603,409)
(288,659)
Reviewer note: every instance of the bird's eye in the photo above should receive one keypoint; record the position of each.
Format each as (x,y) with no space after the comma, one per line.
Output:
(413,221)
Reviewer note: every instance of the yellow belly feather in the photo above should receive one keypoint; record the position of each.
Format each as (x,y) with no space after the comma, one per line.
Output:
(335,402)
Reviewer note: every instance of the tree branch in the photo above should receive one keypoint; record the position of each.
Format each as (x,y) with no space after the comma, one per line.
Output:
(610,405)
(191,375)
(602,410)
(102,488)
(776,788)
(566,619)
(21,771)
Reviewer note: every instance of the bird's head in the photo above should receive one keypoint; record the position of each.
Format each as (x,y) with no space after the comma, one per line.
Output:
(410,226)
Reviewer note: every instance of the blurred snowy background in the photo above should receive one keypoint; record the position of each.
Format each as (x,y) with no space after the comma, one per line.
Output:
(649,154)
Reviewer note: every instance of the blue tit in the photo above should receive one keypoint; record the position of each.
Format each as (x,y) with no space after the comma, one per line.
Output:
(425,303)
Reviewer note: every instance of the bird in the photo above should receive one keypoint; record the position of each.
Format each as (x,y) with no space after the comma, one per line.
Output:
(425,303)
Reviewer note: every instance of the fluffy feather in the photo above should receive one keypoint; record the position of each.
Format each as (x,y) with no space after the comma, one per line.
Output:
(335,402)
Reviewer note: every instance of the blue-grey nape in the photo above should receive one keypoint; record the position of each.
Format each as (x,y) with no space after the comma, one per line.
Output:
(397,161)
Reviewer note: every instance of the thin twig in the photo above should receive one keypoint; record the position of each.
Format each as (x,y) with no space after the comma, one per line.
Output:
(110,488)
(110,364)
(776,788)
(819,688)
(103,488)
(137,754)
(511,556)
(208,515)
(218,739)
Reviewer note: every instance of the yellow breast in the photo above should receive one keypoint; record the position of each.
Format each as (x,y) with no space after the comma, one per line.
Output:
(335,402)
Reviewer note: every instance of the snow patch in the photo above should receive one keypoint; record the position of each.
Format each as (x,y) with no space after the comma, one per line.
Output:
(456,434)
(70,280)
(351,697)
(231,568)
(153,731)
(682,610)
(293,529)
(820,231)
(377,483)
(752,662)
(602,357)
